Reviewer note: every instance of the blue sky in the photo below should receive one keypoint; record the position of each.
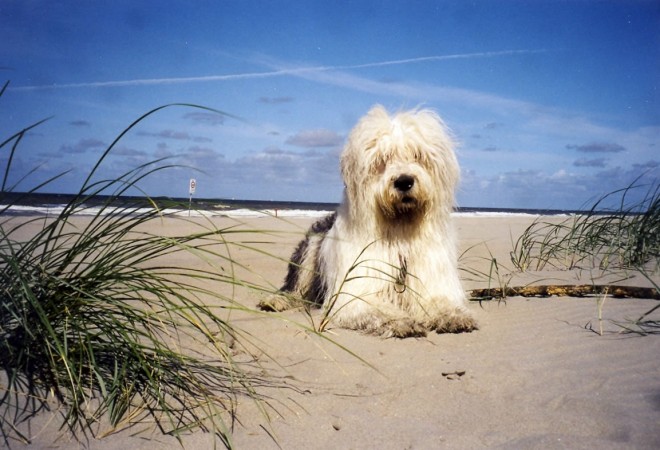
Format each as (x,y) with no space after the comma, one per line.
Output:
(553,103)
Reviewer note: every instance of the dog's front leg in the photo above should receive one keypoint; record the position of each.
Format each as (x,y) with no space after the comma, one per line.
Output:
(452,320)
(374,318)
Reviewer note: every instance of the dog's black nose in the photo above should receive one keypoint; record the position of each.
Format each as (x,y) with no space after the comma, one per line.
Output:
(404,183)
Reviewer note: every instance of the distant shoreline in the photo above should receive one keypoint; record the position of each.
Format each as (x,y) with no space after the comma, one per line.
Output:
(36,203)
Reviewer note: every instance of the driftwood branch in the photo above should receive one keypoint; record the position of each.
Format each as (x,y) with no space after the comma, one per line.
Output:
(566,291)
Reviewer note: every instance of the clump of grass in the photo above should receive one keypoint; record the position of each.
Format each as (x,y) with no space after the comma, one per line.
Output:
(97,325)
(625,238)
(497,277)
(644,324)
(623,242)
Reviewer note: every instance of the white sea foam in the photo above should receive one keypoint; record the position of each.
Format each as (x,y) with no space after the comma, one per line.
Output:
(493,214)
(275,213)
(53,210)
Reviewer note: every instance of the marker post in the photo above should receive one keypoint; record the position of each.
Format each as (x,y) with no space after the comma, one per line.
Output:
(191,190)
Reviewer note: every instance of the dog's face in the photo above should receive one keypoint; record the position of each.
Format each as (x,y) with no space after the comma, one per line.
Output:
(402,189)
(402,167)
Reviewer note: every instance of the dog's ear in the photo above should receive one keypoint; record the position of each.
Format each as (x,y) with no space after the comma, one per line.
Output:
(359,141)
(347,165)
(378,111)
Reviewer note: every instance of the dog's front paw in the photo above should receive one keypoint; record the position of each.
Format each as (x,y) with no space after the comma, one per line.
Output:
(457,322)
(276,303)
(401,328)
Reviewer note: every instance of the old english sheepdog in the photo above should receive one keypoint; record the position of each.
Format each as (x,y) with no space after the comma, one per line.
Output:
(386,261)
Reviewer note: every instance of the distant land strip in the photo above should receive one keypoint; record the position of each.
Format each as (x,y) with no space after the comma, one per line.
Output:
(213,204)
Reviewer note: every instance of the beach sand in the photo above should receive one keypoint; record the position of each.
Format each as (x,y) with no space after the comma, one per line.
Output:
(535,375)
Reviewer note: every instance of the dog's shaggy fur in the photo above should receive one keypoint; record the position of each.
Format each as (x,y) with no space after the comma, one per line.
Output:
(386,261)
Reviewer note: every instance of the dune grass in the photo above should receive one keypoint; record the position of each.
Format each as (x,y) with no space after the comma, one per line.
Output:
(608,245)
(622,242)
(620,239)
(96,326)
(497,277)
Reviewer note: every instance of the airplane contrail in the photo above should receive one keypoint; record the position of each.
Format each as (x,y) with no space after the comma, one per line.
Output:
(439,58)
(269,74)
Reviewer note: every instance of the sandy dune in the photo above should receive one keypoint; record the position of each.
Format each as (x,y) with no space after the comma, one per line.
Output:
(533,376)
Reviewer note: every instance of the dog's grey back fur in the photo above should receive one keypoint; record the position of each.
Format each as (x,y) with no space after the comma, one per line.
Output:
(306,257)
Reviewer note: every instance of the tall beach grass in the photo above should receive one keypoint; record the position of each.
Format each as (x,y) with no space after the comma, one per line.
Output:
(621,243)
(627,237)
(96,325)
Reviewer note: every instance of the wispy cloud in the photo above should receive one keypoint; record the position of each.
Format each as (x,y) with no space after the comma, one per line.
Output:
(269,74)
(275,100)
(80,123)
(439,58)
(82,146)
(205,118)
(159,81)
(172,134)
(315,138)
(601,147)
(585,162)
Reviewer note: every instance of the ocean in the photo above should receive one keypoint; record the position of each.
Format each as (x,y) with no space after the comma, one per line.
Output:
(13,203)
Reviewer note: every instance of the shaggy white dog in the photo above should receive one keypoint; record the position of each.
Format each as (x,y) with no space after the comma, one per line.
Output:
(386,261)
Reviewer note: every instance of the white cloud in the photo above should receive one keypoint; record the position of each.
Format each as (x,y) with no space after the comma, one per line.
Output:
(596,162)
(203,158)
(562,189)
(315,138)
(176,135)
(126,151)
(82,146)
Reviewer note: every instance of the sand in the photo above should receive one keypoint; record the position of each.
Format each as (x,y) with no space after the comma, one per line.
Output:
(535,375)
